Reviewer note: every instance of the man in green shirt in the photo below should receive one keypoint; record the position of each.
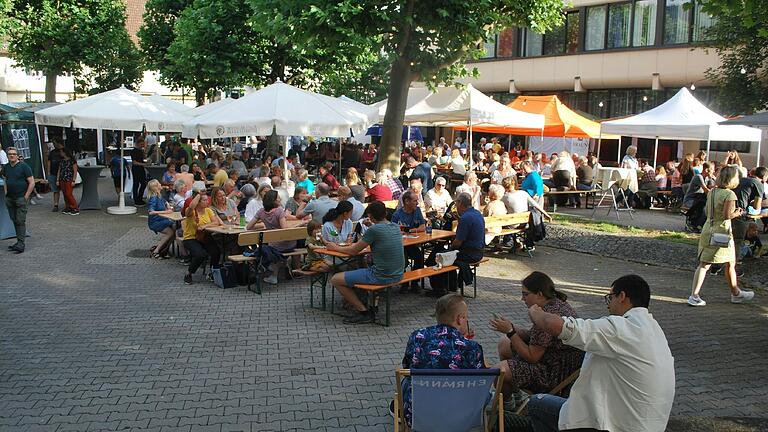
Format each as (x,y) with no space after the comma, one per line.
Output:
(386,243)
(19,184)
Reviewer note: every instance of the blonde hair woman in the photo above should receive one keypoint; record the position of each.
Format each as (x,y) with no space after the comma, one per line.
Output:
(157,208)
(720,209)
(353,182)
(458,164)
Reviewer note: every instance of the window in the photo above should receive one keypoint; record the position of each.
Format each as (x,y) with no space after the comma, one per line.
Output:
(702,21)
(530,43)
(621,103)
(597,103)
(724,146)
(490,47)
(505,43)
(554,41)
(619,18)
(594,38)
(646,99)
(677,22)
(572,23)
(644,33)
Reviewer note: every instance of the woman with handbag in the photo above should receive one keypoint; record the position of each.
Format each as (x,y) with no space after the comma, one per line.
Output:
(716,245)
(197,217)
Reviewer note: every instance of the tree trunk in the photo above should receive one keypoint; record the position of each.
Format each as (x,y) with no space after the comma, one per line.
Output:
(200,96)
(392,131)
(50,86)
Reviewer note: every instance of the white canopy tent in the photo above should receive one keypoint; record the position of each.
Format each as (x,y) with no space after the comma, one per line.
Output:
(119,109)
(468,107)
(682,117)
(284,109)
(415,95)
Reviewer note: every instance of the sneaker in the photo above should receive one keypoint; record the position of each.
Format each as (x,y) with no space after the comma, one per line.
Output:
(271,279)
(74,212)
(716,269)
(13,246)
(66,211)
(188,279)
(55,209)
(696,301)
(20,249)
(739,272)
(360,318)
(392,408)
(743,296)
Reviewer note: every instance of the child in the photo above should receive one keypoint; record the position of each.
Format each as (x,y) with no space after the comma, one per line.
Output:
(314,262)
(752,247)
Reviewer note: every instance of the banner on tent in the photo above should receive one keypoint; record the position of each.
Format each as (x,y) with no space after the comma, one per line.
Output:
(20,139)
(549,145)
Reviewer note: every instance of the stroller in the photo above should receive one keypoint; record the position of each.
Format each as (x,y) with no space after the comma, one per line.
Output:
(694,213)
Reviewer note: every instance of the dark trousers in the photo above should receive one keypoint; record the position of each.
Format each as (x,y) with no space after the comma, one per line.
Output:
(544,412)
(139,184)
(17,209)
(198,252)
(451,281)
(415,254)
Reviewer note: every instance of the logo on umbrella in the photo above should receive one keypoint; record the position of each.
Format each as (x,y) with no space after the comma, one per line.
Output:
(219,130)
(161,126)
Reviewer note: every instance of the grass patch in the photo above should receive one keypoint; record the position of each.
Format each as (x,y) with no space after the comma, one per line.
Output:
(611,228)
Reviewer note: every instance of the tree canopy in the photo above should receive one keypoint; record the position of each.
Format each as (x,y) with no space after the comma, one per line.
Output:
(69,37)
(422,41)
(740,36)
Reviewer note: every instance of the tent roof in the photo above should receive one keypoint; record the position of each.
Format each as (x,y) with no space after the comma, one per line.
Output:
(415,95)
(759,119)
(170,103)
(559,120)
(451,106)
(681,117)
(118,109)
(286,109)
(204,109)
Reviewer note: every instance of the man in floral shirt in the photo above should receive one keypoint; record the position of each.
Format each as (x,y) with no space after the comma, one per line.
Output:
(447,345)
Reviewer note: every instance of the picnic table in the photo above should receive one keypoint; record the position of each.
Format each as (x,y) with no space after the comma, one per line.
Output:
(409,239)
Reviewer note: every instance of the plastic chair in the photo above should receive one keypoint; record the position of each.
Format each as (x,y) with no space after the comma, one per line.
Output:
(450,400)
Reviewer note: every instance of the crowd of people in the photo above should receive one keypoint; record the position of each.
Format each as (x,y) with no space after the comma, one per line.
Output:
(241,189)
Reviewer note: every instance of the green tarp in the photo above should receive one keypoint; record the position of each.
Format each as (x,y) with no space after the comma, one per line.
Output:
(17,129)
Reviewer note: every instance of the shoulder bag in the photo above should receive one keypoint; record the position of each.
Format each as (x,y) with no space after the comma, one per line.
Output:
(718,239)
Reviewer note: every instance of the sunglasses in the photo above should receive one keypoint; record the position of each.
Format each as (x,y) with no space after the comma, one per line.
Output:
(608,297)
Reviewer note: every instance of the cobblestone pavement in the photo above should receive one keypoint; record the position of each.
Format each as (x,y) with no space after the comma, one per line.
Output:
(96,337)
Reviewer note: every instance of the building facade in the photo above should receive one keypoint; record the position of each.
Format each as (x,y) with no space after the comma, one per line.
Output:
(610,58)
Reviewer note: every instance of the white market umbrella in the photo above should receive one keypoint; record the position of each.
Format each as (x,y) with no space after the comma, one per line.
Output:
(170,104)
(682,117)
(119,109)
(469,107)
(203,109)
(284,109)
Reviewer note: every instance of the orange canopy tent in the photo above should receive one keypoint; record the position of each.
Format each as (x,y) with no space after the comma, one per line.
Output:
(559,120)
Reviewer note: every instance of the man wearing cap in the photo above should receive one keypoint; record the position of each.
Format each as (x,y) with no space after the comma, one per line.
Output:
(438,198)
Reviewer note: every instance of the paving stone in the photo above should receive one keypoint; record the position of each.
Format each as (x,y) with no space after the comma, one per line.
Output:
(105,338)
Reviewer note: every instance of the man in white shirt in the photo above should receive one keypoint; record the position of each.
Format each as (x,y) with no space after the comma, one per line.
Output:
(470,186)
(627,380)
(319,206)
(438,198)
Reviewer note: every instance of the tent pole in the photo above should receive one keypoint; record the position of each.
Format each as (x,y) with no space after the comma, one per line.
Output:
(709,144)
(655,152)
(599,142)
(757,163)
(509,143)
(618,152)
(121,197)
(470,144)
(42,164)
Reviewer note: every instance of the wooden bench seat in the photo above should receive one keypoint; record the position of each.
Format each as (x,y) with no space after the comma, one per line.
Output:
(260,238)
(410,276)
